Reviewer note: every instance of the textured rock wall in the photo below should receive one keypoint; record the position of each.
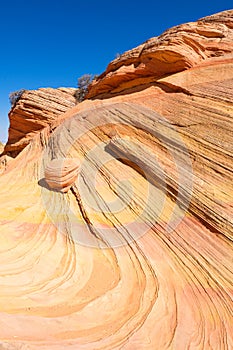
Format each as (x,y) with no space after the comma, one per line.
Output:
(34,110)
(138,253)
(177,49)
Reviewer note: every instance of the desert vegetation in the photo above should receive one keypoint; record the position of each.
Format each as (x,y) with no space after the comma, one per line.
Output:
(83,83)
(15,96)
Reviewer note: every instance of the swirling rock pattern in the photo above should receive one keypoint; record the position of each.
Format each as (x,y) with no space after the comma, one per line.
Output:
(138,254)
(61,174)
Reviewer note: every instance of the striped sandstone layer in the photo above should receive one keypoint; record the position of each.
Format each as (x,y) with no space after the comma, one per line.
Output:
(33,111)
(138,253)
(177,49)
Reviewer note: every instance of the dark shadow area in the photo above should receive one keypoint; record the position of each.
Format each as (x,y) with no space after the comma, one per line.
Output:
(140,167)
(43,183)
(12,154)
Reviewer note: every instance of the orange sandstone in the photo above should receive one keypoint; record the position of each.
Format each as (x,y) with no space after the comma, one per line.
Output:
(138,254)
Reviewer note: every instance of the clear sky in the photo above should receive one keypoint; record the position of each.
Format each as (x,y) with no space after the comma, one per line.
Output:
(50,43)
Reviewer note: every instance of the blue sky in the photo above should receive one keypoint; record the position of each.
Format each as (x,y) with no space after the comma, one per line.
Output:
(51,43)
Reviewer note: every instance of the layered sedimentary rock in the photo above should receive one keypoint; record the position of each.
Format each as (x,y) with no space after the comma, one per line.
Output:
(177,49)
(61,173)
(137,254)
(34,110)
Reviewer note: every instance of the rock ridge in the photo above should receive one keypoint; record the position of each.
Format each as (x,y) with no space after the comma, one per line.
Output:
(177,49)
(34,110)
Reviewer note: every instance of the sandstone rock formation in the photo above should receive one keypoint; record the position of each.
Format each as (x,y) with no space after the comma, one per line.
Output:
(138,254)
(61,173)
(3,158)
(34,110)
(177,49)
(1,147)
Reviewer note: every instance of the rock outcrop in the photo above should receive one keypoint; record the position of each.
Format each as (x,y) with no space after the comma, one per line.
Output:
(33,111)
(137,254)
(177,49)
(61,173)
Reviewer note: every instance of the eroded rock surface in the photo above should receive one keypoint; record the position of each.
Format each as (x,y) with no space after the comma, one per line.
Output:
(61,173)
(34,110)
(177,49)
(138,254)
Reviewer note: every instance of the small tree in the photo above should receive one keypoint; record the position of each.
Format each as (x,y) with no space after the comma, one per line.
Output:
(15,96)
(83,82)
(117,55)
